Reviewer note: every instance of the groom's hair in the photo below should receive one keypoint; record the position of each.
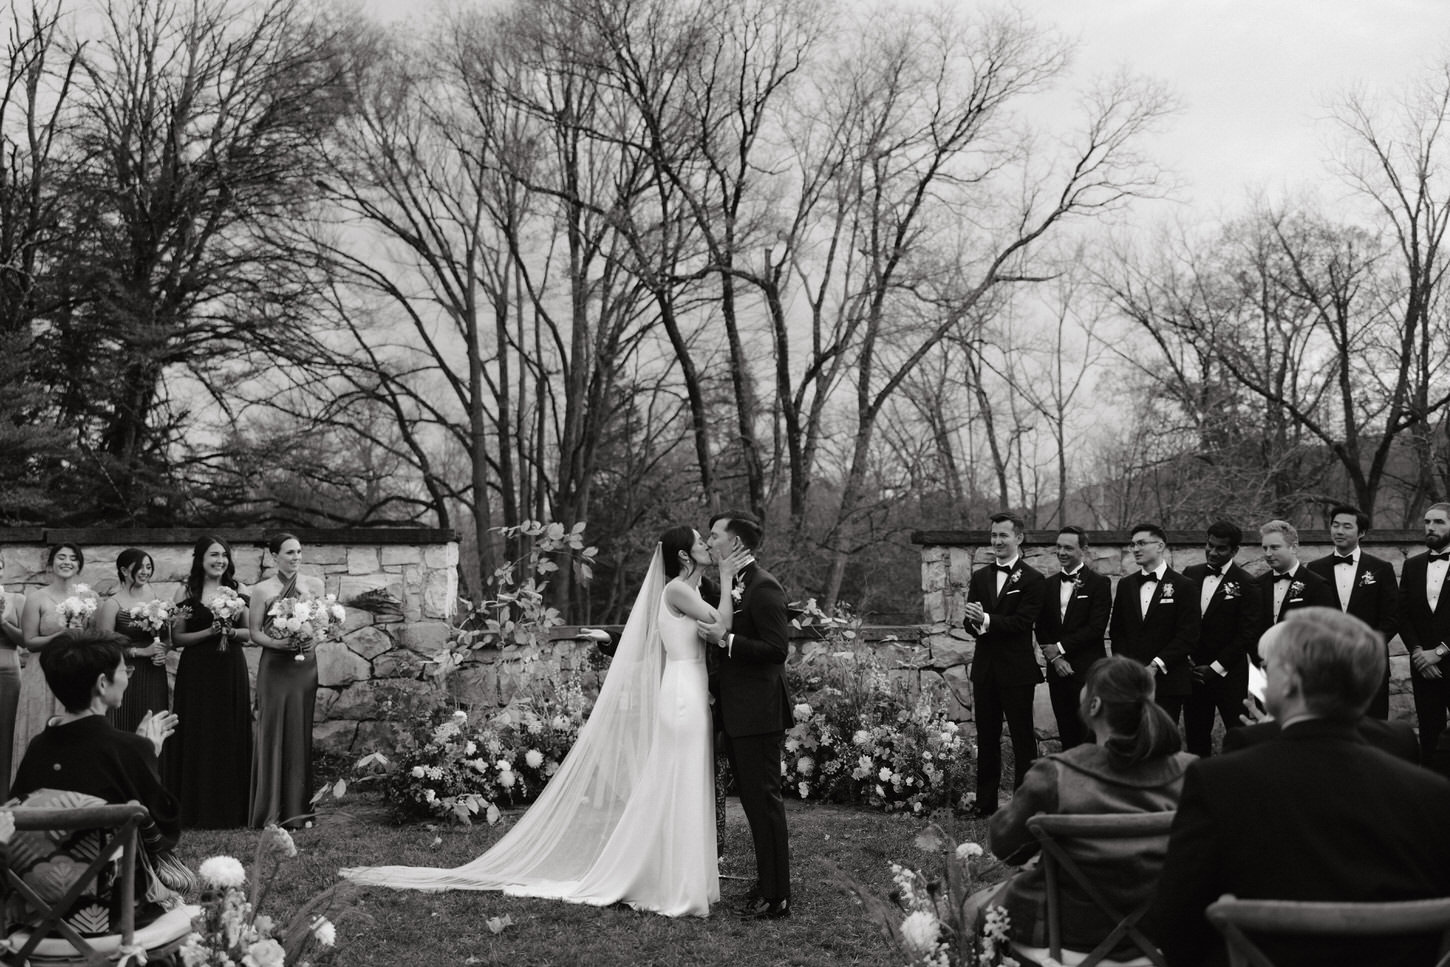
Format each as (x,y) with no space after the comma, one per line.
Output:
(742,524)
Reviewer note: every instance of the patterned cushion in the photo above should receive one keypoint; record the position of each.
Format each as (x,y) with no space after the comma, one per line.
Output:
(50,861)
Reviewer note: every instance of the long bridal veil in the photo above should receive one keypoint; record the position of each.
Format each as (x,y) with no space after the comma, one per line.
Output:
(562,834)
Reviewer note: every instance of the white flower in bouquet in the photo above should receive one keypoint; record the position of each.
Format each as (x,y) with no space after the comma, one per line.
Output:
(534,758)
(223,872)
(921,933)
(76,611)
(226,606)
(265,953)
(153,615)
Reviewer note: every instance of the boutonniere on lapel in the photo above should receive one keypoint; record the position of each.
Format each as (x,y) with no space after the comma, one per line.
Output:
(1167,596)
(1296,589)
(738,590)
(1230,590)
(1077,582)
(1015,576)
(1366,579)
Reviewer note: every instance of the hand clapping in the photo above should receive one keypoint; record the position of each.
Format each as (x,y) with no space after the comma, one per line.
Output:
(157,727)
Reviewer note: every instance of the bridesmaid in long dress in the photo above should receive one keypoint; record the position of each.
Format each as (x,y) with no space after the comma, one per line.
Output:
(209,759)
(286,690)
(10,638)
(40,621)
(145,653)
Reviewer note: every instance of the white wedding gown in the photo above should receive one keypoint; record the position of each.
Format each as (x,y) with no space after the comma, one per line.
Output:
(630,816)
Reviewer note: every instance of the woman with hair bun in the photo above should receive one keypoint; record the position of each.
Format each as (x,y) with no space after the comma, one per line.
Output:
(281,787)
(145,654)
(1134,765)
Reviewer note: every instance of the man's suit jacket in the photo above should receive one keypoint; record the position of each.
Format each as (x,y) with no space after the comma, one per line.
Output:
(1374,597)
(1306,590)
(1315,814)
(750,676)
(1004,654)
(1231,624)
(1168,631)
(1419,626)
(1396,738)
(1080,630)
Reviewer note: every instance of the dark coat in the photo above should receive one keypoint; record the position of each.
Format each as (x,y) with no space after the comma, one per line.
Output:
(1312,591)
(750,677)
(1080,631)
(1004,654)
(1419,626)
(1375,596)
(1232,623)
(1169,630)
(1396,738)
(1315,814)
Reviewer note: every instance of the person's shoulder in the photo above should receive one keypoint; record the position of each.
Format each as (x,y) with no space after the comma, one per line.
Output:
(1323,566)
(1195,571)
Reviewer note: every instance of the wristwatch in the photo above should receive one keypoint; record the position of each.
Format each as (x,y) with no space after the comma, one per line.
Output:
(1442,649)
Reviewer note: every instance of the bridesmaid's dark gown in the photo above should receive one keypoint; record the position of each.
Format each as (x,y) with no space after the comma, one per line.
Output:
(282,761)
(209,757)
(147,691)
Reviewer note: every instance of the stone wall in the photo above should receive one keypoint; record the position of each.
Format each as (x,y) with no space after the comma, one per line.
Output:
(949,557)
(399,585)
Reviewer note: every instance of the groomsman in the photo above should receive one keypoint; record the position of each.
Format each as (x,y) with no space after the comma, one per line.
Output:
(1155,618)
(1003,602)
(1425,626)
(1232,620)
(1364,585)
(1070,630)
(1287,585)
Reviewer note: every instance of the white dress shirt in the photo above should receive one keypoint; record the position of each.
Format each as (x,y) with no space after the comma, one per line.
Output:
(1344,578)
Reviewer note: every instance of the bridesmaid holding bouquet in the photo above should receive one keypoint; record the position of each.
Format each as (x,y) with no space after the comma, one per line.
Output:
(148,690)
(209,758)
(286,691)
(63,602)
(10,639)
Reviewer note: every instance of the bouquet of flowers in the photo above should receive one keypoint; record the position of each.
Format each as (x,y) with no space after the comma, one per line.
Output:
(226,607)
(305,620)
(229,931)
(77,610)
(155,615)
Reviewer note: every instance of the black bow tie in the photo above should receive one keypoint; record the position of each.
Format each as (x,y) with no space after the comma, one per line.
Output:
(1440,557)
(1150,578)
(1283,577)
(1066,578)
(1216,572)
(1343,559)
(1005,569)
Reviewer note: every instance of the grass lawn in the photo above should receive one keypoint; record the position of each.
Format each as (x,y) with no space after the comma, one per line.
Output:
(387,927)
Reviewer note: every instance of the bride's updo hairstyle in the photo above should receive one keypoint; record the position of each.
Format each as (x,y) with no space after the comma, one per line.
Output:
(1140,728)
(672,542)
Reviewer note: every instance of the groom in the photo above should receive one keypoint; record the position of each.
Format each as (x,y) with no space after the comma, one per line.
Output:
(755,706)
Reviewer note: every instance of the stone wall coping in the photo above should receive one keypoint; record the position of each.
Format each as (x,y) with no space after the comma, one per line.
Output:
(1100,538)
(240,537)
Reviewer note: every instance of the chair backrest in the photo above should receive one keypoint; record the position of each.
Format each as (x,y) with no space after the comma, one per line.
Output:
(1236,918)
(1068,840)
(123,822)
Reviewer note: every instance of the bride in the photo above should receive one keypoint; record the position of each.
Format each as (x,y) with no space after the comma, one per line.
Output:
(630,814)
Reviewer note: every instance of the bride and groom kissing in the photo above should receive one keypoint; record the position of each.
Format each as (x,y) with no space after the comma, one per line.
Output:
(629,816)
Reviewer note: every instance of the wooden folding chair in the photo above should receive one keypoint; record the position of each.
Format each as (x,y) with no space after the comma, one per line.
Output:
(52,940)
(1236,918)
(1059,835)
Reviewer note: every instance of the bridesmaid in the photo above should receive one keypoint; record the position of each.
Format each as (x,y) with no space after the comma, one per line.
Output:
(209,759)
(145,654)
(40,621)
(286,689)
(10,638)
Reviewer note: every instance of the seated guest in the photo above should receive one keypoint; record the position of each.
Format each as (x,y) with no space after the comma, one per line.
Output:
(1134,766)
(81,752)
(1396,738)
(1315,814)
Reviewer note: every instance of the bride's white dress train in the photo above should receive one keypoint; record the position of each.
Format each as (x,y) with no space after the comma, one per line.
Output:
(630,815)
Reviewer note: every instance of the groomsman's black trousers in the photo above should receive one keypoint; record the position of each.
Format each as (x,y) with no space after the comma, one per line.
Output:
(755,760)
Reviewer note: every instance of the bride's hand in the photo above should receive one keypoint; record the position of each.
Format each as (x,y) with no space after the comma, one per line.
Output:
(732,565)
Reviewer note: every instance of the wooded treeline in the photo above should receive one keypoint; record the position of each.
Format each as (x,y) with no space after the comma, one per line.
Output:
(629,261)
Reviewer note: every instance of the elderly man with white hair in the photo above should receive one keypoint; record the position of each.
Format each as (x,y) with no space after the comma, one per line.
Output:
(1316,813)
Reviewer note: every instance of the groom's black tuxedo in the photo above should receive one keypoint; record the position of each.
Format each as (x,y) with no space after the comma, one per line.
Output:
(1168,632)
(755,711)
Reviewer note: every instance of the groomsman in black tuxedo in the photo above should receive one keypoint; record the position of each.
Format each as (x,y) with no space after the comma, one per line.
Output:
(1364,586)
(1232,620)
(1070,630)
(1003,602)
(1155,618)
(1288,585)
(1425,626)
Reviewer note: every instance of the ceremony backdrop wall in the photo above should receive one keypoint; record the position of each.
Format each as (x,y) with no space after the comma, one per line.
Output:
(949,557)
